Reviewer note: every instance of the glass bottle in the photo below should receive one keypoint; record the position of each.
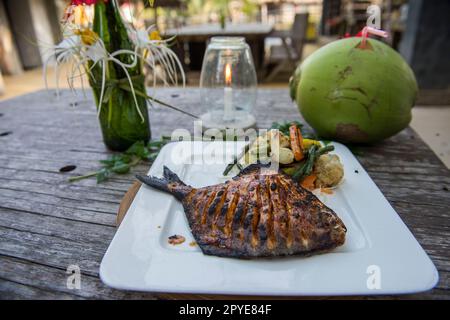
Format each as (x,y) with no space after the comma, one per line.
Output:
(119,118)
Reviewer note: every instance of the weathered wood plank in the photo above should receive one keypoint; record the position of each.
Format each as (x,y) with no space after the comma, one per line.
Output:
(55,281)
(85,204)
(65,191)
(52,251)
(71,230)
(44,209)
(10,290)
(27,173)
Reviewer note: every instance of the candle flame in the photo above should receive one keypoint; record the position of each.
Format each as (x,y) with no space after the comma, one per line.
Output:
(228,74)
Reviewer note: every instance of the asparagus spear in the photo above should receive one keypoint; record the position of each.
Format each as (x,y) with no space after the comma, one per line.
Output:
(236,159)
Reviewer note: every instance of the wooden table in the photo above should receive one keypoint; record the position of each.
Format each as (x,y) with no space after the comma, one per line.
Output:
(197,36)
(47,224)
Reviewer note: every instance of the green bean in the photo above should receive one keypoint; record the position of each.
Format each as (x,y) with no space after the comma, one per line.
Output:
(313,154)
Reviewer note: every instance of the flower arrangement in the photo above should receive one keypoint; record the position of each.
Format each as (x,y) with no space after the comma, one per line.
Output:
(99,45)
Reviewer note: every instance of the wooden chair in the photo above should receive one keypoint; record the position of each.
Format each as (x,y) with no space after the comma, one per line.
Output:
(289,53)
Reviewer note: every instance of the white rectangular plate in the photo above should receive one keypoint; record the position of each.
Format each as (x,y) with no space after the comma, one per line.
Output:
(380,255)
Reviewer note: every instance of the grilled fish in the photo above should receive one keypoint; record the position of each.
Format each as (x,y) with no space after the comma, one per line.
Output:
(255,215)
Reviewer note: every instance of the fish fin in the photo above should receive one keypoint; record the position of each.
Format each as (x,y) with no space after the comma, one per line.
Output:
(171,176)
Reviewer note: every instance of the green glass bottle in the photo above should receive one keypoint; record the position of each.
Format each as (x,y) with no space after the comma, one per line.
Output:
(120,121)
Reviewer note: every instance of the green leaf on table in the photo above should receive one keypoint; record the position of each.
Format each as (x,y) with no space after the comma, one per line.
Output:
(116,159)
(123,162)
(139,149)
(107,162)
(125,158)
(103,175)
(110,161)
(121,168)
(136,147)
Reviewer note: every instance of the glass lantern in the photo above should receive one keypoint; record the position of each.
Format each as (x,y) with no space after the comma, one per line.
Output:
(228,84)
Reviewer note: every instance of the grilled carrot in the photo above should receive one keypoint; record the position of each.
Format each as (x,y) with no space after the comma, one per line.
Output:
(308,182)
(295,142)
(300,139)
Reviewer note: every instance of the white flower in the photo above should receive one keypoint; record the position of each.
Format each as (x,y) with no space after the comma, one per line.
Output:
(156,51)
(82,45)
(96,52)
(69,42)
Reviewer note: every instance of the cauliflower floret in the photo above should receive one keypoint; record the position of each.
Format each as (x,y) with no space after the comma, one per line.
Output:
(329,170)
(283,140)
(263,144)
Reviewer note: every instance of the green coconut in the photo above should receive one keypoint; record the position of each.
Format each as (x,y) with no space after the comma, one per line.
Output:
(353,94)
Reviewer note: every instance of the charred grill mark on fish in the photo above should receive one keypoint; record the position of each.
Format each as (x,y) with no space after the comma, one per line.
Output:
(208,203)
(255,215)
(241,212)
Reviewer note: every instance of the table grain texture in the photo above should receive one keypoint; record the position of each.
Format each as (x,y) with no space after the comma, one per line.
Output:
(47,223)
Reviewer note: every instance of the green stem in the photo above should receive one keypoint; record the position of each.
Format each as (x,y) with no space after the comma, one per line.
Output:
(133,163)
(108,76)
(144,95)
(78,178)
(174,108)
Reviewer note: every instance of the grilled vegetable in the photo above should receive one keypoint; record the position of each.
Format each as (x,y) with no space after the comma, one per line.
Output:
(282,139)
(307,166)
(307,143)
(296,142)
(284,155)
(235,161)
(308,182)
(297,155)
(300,139)
(260,149)
(329,170)
(284,126)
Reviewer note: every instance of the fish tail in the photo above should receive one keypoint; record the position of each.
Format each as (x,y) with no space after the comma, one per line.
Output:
(171,176)
(170,183)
